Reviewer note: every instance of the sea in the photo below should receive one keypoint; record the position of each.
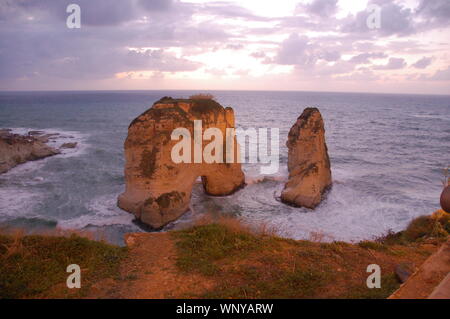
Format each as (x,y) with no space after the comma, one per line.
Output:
(387,152)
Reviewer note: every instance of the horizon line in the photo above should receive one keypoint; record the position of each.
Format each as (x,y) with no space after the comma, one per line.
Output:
(222,90)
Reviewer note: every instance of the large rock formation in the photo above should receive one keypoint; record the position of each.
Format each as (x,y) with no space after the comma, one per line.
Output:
(158,190)
(308,161)
(16,149)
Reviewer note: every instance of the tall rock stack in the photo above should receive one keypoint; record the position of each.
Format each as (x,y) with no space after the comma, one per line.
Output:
(158,190)
(308,161)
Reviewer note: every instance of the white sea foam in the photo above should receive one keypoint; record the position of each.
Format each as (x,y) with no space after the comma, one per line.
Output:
(103,211)
(250,180)
(17,202)
(431,116)
(347,214)
(16,198)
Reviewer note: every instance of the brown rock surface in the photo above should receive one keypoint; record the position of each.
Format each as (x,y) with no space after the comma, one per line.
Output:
(430,276)
(17,149)
(69,145)
(308,161)
(445,199)
(158,190)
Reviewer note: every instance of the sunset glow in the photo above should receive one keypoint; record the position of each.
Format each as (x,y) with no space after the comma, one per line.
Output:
(321,45)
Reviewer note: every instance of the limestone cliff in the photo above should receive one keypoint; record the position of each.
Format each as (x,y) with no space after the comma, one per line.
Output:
(308,161)
(158,190)
(16,149)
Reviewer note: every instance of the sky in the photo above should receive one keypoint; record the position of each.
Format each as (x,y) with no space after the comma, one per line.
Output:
(311,45)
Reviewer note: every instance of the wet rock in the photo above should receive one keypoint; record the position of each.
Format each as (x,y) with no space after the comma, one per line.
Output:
(5,131)
(16,149)
(69,145)
(34,133)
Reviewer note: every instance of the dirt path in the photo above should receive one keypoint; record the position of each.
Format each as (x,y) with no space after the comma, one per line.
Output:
(150,271)
(428,277)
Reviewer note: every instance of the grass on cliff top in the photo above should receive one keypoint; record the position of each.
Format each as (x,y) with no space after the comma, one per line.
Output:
(35,266)
(421,229)
(249,264)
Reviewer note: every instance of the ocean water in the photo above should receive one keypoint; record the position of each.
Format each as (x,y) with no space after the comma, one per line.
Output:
(387,154)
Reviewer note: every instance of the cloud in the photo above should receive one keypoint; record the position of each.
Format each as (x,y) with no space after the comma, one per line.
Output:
(95,13)
(393,64)
(423,62)
(442,75)
(234,46)
(258,55)
(436,13)
(395,19)
(229,10)
(44,46)
(322,8)
(104,12)
(339,67)
(316,41)
(365,58)
(156,5)
(295,50)
(362,75)
(304,52)
(330,56)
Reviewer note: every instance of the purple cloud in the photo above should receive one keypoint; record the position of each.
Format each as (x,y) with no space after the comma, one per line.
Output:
(365,58)
(393,64)
(442,75)
(322,8)
(423,63)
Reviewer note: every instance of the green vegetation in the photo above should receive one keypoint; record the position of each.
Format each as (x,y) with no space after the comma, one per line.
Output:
(256,282)
(239,262)
(35,266)
(201,246)
(245,264)
(372,245)
(426,227)
(204,106)
(389,284)
(202,96)
(221,251)
(423,228)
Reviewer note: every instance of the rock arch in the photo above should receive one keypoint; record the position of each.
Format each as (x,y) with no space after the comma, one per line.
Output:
(158,190)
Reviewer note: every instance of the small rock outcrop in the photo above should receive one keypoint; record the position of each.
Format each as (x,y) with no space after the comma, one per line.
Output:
(69,145)
(308,161)
(17,149)
(158,190)
(445,199)
(404,270)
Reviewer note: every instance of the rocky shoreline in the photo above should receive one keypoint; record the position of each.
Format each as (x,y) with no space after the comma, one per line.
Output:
(16,149)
